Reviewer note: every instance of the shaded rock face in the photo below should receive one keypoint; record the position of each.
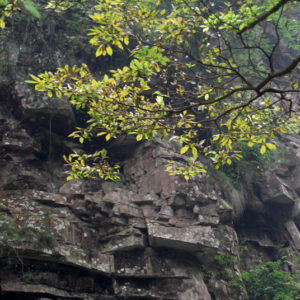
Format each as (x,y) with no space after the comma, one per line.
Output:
(148,236)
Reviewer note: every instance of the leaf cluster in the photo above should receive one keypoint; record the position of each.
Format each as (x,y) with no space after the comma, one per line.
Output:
(194,66)
(269,282)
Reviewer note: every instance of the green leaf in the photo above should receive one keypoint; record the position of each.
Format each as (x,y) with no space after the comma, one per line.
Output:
(184,149)
(160,100)
(30,7)
(242,26)
(139,137)
(3,3)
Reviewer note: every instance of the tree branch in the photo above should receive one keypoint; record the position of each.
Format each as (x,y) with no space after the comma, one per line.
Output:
(287,70)
(264,16)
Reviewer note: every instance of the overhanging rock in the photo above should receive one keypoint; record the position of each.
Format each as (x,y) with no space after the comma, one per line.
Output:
(191,238)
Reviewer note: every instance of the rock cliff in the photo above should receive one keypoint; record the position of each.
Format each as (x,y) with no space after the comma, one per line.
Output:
(148,236)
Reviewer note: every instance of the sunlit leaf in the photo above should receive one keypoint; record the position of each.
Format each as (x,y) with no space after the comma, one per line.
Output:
(139,137)
(2,24)
(184,149)
(194,152)
(262,149)
(271,146)
(109,50)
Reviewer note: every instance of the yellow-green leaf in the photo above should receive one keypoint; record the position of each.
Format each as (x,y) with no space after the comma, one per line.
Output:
(58,94)
(195,152)
(35,78)
(184,149)
(2,24)
(228,123)
(282,130)
(139,137)
(126,40)
(160,100)
(169,168)
(101,133)
(271,146)
(217,51)
(99,51)
(109,50)
(262,149)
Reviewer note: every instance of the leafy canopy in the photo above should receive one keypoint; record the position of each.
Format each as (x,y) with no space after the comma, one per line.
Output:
(227,69)
(269,282)
(8,7)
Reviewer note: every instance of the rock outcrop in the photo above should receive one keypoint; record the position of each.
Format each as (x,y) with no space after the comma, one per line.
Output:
(148,236)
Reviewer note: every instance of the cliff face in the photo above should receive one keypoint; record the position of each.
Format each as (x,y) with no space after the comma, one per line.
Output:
(148,236)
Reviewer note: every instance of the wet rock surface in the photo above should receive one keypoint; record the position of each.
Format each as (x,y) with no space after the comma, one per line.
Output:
(149,236)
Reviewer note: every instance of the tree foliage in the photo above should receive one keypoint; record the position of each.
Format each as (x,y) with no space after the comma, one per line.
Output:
(194,66)
(269,282)
(9,7)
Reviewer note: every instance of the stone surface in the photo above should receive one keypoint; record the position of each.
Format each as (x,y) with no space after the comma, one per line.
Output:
(149,236)
(294,233)
(190,238)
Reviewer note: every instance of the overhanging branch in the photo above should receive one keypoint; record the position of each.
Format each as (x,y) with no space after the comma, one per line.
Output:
(264,16)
